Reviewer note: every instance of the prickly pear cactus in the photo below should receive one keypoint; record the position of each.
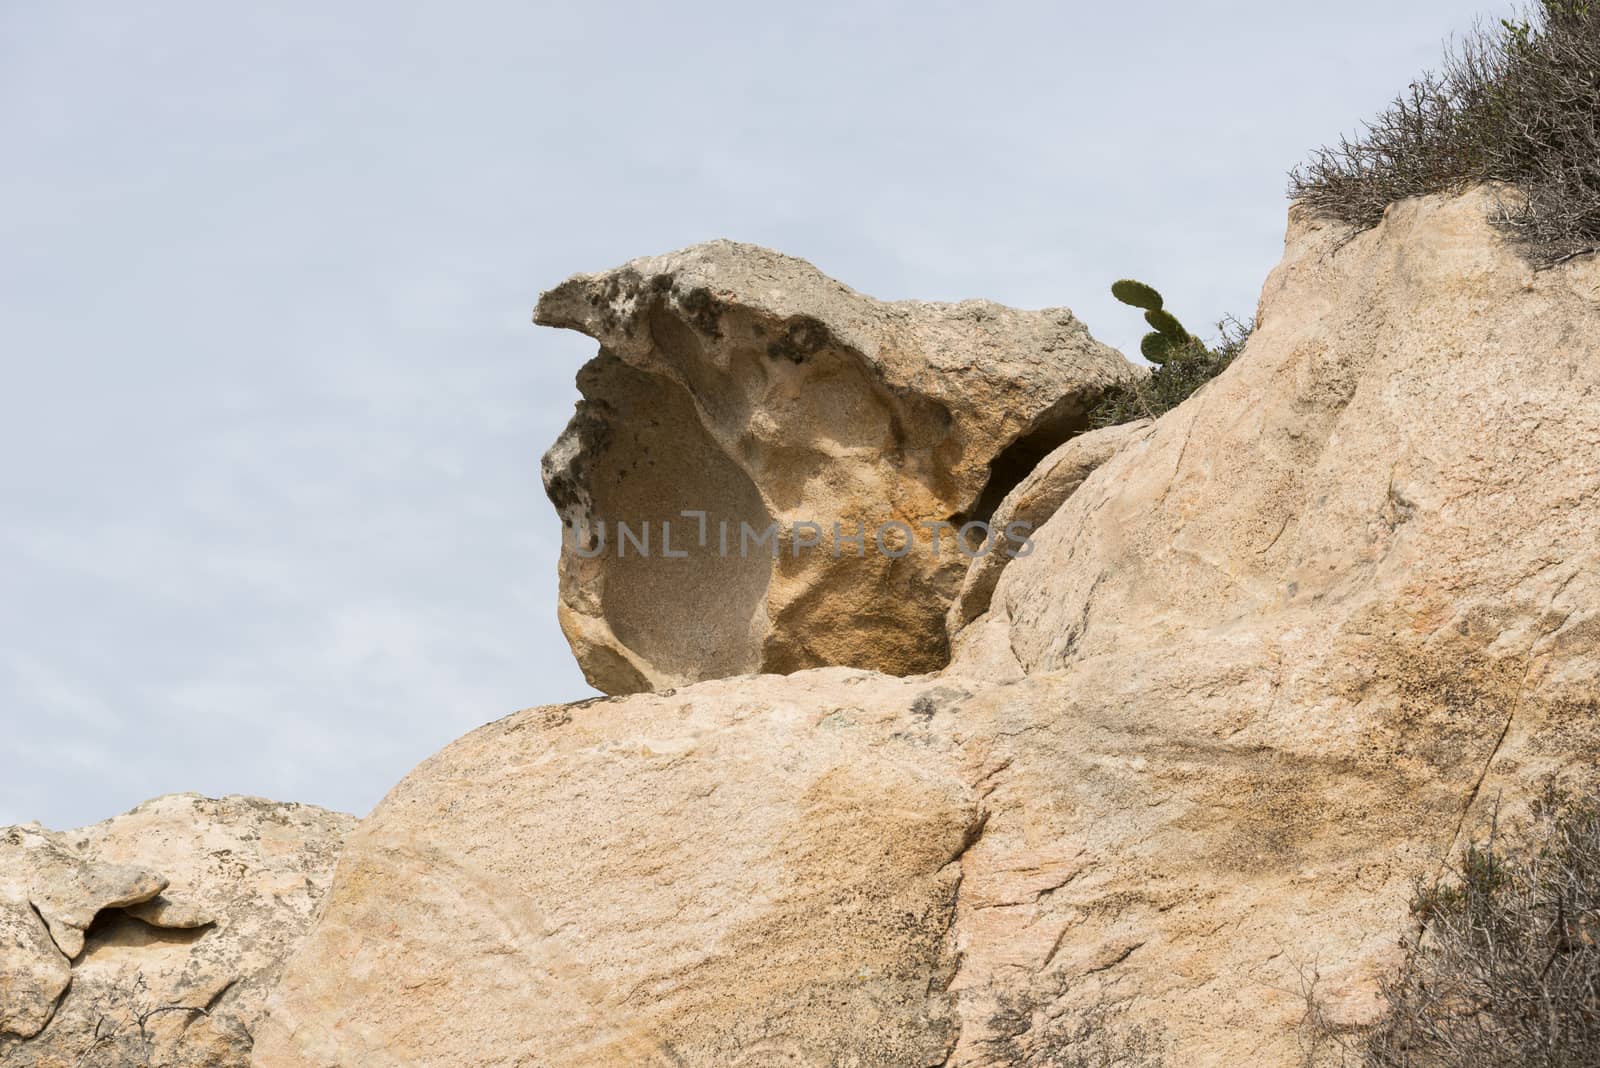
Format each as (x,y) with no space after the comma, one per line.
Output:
(1136,294)
(1168,337)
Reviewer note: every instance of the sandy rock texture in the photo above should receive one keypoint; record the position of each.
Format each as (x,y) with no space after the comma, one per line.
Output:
(1274,659)
(156,934)
(49,895)
(1028,506)
(744,384)
(725,875)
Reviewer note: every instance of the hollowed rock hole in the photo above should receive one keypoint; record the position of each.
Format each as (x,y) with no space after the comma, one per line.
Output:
(113,928)
(702,615)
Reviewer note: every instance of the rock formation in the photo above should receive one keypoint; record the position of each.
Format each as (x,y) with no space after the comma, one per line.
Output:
(746,385)
(1270,661)
(154,937)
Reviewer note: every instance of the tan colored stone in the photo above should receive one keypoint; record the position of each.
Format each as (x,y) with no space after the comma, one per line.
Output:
(177,979)
(739,876)
(49,895)
(67,889)
(33,972)
(1270,663)
(745,384)
(1313,627)
(1026,508)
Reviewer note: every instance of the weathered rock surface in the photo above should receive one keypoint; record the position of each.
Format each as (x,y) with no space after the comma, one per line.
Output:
(33,972)
(1270,663)
(166,928)
(746,385)
(1034,500)
(777,871)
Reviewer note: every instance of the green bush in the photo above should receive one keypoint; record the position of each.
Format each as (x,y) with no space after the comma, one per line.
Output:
(1183,366)
(1518,103)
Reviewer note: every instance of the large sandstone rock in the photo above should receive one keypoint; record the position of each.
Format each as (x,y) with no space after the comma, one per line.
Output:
(731,876)
(157,933)
(747,385)
(1270,663)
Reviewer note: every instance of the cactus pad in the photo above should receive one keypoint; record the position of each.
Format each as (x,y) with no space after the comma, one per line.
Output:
(1137,294)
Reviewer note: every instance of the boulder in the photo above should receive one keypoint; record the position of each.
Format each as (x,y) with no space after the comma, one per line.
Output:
(33,972)
(166,928)
(66,889)
(732,875)
(746,388)
(1269,664)
(1341,607)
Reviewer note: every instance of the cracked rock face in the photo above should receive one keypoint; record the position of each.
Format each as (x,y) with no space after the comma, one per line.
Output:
(33,972)
(746,385)
(153,937)
(1272,661)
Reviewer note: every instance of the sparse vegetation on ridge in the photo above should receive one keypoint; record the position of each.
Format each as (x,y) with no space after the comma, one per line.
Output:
(1517,103)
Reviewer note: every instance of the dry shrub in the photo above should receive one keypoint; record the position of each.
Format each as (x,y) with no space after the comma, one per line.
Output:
(1507,971)
(1518,103)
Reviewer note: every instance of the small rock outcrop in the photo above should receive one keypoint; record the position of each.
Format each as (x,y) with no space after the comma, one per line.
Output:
(1272,661)
(748,389)
(154,937)
(1027,507)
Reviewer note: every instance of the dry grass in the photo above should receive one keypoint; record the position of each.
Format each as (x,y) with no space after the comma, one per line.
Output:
(1518,103)
(1506,970)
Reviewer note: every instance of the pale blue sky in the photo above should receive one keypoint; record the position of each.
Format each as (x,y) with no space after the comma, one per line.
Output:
(272,409)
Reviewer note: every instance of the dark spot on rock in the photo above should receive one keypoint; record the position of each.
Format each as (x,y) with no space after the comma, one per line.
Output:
(703,312)
(939,699)
(802,338)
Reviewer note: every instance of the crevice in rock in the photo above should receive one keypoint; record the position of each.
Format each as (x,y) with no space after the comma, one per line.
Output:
(114,926)
(1106,965)
(48,932)
(1062,421)
(211,1002)
(974,834)
(61,998)
(1499,743)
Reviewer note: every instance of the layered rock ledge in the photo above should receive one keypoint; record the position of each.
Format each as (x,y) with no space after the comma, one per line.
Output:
(154,937)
